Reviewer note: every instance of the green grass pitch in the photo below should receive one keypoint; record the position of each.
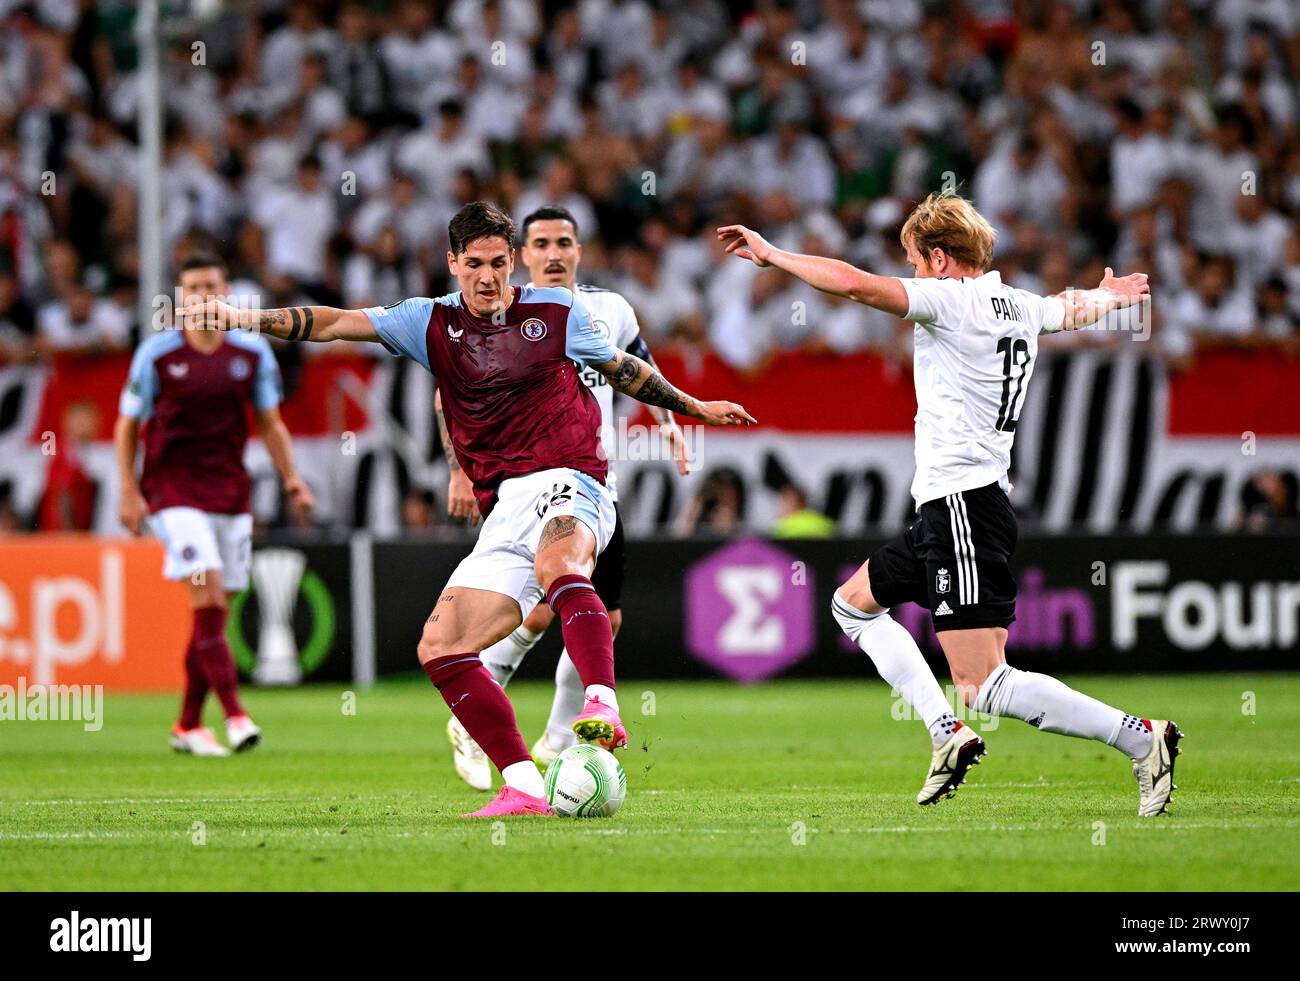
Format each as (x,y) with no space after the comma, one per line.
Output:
(791,785)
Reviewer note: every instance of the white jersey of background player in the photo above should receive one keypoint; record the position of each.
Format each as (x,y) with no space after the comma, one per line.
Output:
(616,321)
(551,251)
(976,342)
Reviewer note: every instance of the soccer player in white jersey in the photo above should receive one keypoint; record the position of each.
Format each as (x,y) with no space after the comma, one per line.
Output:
(976,342)
(551,251)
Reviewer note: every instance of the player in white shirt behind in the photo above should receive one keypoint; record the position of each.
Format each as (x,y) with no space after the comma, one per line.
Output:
(551,251)
(976,341)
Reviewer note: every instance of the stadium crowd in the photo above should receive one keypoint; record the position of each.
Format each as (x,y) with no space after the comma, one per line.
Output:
(321,147)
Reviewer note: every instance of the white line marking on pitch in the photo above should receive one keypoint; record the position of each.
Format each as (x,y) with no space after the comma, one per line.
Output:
(355,834)
(206,800)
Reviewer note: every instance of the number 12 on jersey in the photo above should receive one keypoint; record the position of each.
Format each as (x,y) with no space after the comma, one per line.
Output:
(1015,366)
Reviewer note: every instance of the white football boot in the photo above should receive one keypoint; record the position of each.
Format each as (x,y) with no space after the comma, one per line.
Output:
(544,753)
(471,762)
(242,733)
(196,742)
(949,764)
(1155,771)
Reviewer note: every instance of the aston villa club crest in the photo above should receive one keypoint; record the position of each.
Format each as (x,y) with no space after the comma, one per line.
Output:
(239,369)
(942,582)
(533,329)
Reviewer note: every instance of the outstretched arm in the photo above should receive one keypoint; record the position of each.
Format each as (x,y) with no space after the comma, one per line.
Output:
(828,275)
(629,374)
(287,324)
(1083,308)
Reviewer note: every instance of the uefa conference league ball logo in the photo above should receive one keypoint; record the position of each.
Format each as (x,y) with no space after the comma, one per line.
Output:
(280,576)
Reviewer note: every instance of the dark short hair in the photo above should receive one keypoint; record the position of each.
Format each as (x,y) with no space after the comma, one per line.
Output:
(550,212)
(205,260)
(479,219)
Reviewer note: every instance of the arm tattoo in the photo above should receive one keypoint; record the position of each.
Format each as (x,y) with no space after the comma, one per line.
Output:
(639,349)
(290,324)
(625,374)
(272,321)
(448,449)
(657,391)
(654,390)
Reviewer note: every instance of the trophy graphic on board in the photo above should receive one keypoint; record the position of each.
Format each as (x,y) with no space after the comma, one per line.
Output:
(277,574)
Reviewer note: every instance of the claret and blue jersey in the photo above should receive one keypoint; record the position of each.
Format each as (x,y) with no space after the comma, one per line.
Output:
(195,403)
(511,391)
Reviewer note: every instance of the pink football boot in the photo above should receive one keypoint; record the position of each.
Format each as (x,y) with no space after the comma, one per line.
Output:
(512,801)
(599,723)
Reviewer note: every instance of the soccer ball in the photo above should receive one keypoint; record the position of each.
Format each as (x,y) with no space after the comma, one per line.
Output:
(585,781)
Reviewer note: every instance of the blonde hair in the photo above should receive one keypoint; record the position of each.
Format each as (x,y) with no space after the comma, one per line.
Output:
(946,220)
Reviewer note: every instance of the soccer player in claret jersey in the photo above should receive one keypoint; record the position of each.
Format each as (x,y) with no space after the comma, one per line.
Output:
(551,251)
(527,432)
(976,339)
(194,387)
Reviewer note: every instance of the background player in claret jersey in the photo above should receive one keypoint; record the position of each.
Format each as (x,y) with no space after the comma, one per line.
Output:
(551,250)
(527,433)
(976,340)
(193,387)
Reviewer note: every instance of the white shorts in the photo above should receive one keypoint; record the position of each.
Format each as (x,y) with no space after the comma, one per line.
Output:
(196,541)
(502,561)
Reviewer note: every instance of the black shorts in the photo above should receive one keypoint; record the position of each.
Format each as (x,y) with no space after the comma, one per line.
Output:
(954,560)
(610,566)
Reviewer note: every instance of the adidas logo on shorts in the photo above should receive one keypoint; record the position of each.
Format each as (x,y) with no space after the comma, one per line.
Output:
(943,609)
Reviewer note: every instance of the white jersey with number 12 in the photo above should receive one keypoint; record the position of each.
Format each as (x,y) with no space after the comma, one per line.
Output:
(976,345)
